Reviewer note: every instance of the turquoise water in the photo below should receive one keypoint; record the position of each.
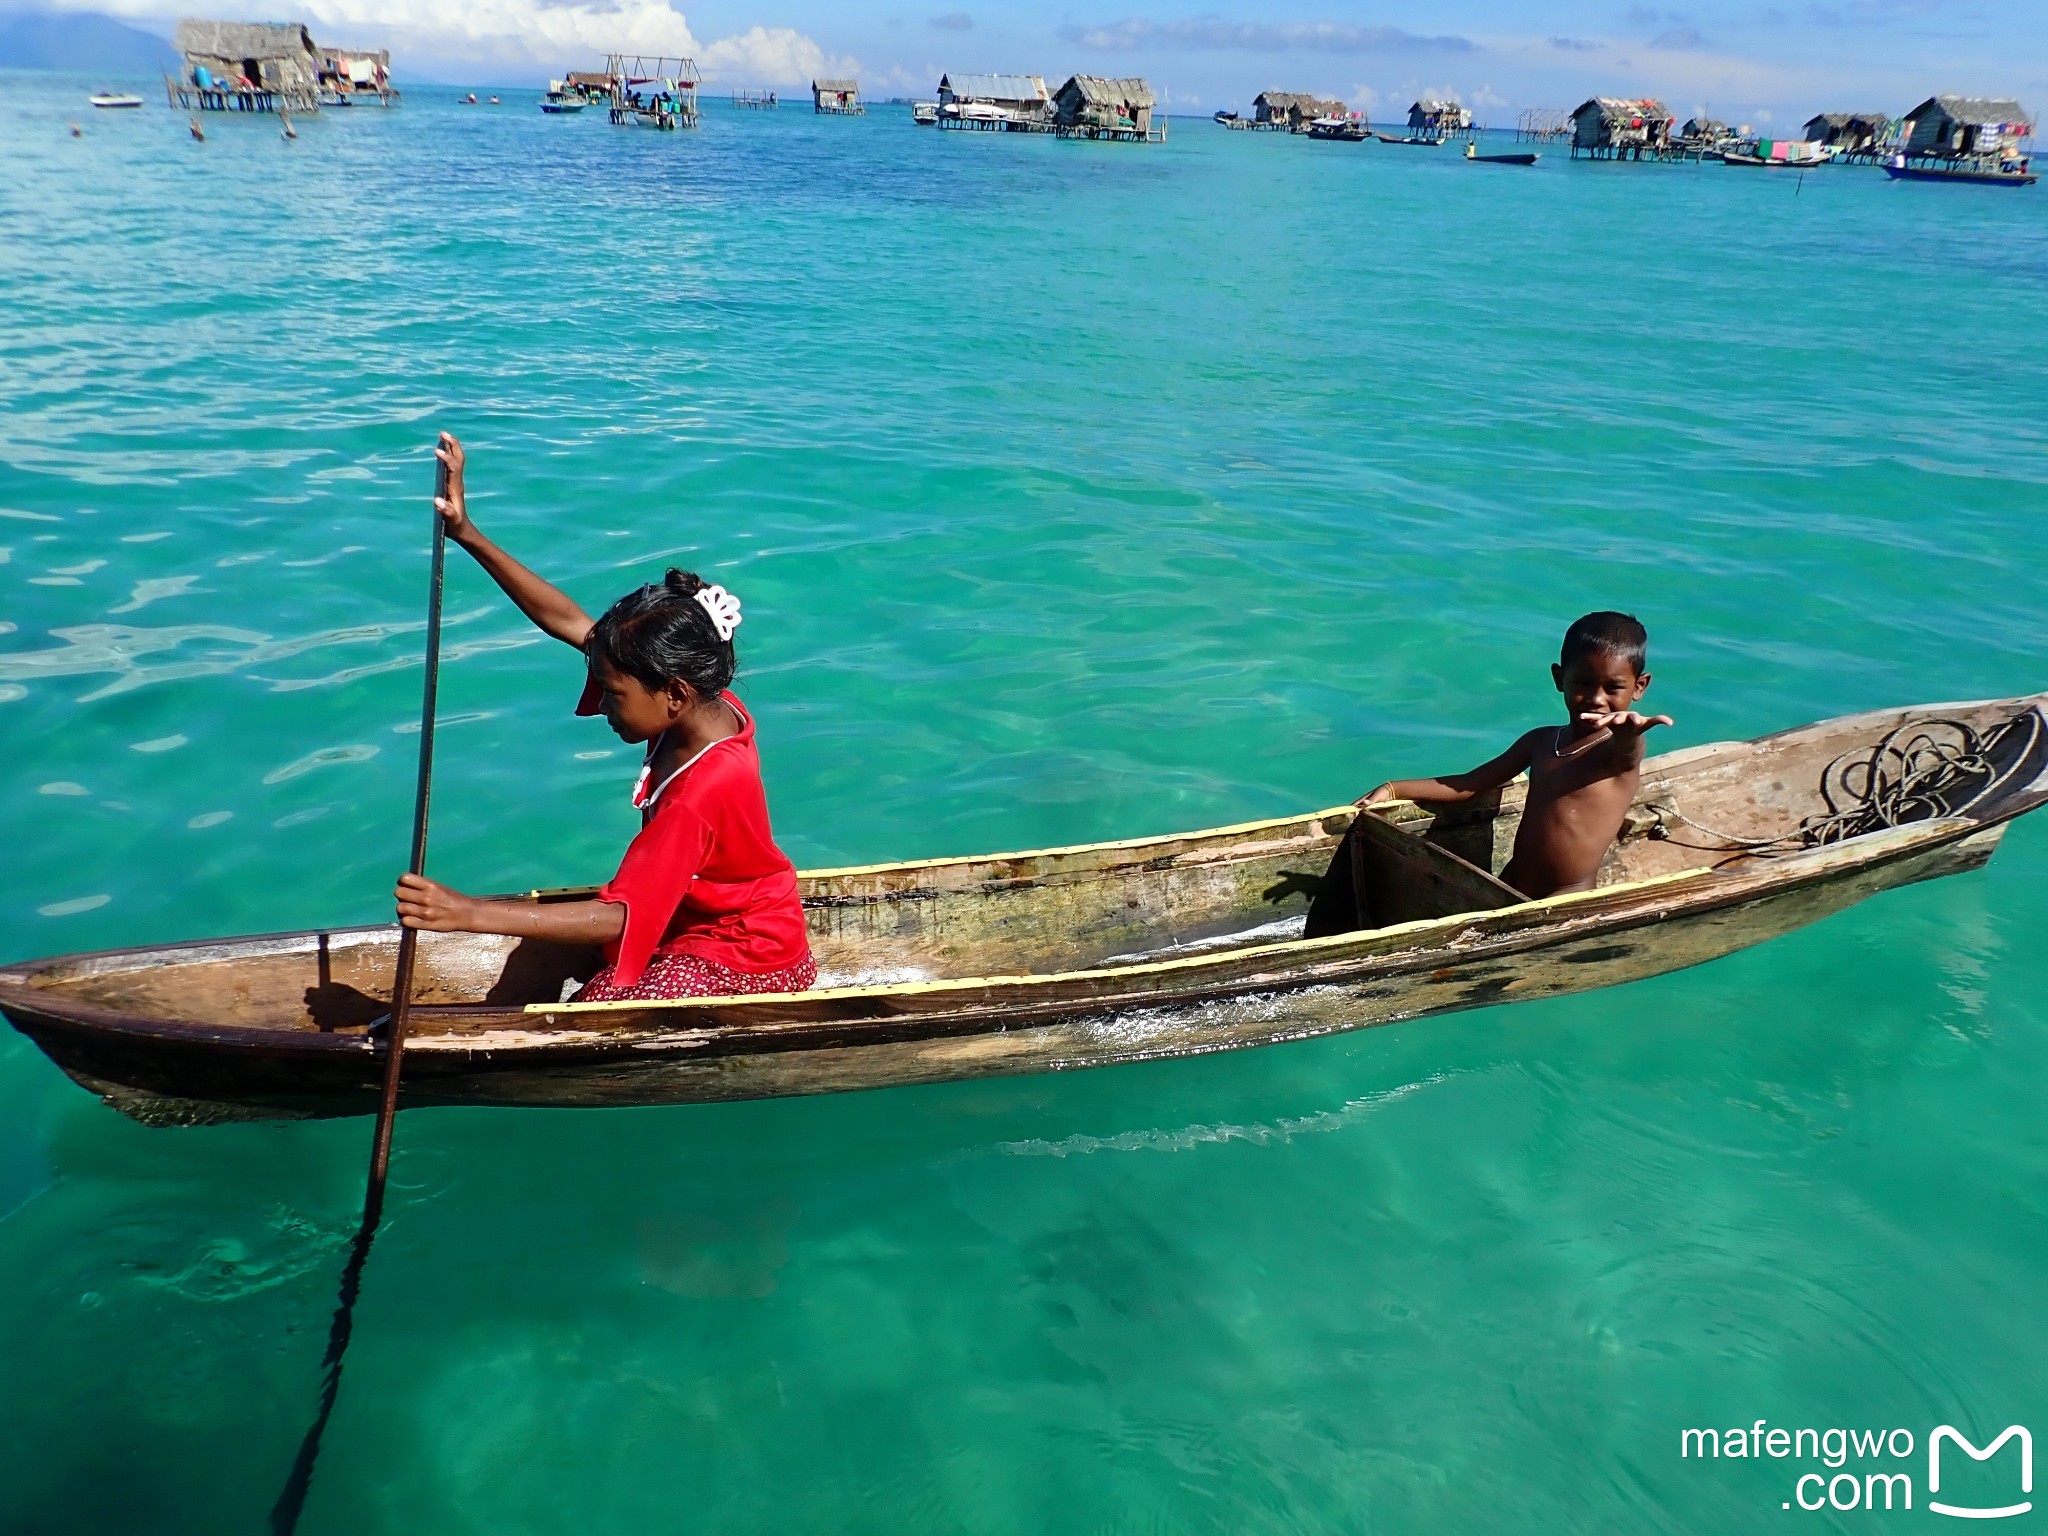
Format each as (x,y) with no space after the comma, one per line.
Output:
(1074,491)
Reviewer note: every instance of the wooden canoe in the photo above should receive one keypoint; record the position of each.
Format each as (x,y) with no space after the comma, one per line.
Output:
(1030,962)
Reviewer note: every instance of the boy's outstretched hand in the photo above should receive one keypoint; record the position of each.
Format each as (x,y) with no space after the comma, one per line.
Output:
(1624,722)
(424,903)
(454,507)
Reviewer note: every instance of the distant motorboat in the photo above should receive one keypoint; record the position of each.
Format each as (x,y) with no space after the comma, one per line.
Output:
(2011,173)
(113,99)
(1413,138)
(1226,117)
(925,113)
(556,104)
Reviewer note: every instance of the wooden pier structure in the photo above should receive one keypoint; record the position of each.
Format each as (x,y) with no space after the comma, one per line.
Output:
(1543,125)
(756,101)
(649,91)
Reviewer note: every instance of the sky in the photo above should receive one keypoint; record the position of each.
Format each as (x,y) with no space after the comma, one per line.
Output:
(1752,61)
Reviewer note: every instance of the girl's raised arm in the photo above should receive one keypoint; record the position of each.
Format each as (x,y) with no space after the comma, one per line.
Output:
(552,610)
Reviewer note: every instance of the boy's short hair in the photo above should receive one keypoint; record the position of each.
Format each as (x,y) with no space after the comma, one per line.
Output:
(1615,634)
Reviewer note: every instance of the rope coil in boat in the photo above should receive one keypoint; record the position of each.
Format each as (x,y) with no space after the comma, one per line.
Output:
(1916,772)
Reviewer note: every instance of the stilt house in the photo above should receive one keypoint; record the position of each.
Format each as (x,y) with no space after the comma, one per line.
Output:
(838,98)
(1850,133)
(1434,119)
(355,77)
(1704,136)
(1091,107)
(1621,128)
(236,66)
(1293,110)
(1966,128)
(1016,103)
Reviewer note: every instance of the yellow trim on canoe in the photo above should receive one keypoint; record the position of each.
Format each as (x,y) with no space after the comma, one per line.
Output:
(1152,968)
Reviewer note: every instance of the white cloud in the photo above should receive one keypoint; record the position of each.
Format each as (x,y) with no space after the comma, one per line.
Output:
(553,36)
(777,55)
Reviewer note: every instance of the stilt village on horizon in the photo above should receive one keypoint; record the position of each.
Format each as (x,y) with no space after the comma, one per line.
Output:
(241,67)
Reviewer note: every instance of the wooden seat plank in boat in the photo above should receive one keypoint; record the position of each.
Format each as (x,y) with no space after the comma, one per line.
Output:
(1034,961)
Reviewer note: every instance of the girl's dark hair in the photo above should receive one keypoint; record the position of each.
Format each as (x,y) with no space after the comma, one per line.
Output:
(661,633)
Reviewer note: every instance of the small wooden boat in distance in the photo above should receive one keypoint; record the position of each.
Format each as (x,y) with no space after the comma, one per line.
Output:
(1472,154)
(114,100)
(955,968)
(1413,138)
(1342,129)
(2015,173)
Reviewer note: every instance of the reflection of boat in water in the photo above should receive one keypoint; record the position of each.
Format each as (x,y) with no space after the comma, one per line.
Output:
(114,100)
(942,969)
(1472,154)
(1346,130)
(2006,173)
(925,113)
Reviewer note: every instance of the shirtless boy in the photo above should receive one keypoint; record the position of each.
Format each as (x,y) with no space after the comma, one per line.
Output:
(1582,775)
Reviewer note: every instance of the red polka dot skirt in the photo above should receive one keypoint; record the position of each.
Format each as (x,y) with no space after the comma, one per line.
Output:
(678,976)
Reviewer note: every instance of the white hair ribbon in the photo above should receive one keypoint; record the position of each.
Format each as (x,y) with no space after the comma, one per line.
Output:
(723,608)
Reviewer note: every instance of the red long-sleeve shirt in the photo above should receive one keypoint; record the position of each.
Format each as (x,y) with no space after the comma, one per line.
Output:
(704,876)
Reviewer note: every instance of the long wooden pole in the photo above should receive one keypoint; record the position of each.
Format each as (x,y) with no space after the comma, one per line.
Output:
(284,1515)
(408,938)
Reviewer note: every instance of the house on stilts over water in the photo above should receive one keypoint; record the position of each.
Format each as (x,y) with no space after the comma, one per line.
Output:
(356,77)
(239,66)
(1292,110)
(1855,137)
(652,92)
(1092,107)
(837,98)
(1704,137)
(1966,132)
(1438,120)
(1622,128)
(995,103)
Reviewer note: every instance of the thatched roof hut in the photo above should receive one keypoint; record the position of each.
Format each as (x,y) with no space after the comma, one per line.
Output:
(1438,118)
(348,73)
(1021,94)
(1294,109)
(1850,132)
(840,98)
(1621,126)
(1966,127)
(251,56)
(1098,107)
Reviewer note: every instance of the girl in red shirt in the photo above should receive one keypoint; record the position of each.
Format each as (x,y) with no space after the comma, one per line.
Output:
(704,903)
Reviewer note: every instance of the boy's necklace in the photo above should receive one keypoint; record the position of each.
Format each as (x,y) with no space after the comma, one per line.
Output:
(1592,741)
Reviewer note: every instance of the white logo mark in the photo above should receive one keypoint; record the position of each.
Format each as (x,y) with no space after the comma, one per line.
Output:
(1970,1512)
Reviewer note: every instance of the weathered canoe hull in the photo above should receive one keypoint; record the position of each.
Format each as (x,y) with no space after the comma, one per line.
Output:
(1029,962)
(1584,943)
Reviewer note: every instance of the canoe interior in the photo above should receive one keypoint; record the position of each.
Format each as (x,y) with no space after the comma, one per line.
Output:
(1037,913)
